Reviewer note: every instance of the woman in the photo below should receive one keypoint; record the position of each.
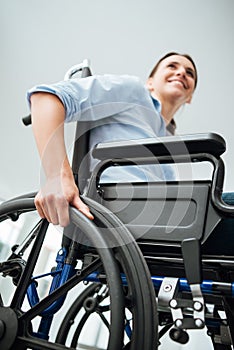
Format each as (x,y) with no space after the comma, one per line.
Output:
(122,108)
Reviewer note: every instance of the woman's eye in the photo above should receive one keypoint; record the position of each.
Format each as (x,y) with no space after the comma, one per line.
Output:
(190,73)
(171,65)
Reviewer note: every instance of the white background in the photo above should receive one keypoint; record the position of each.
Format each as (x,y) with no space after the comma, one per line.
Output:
(40,40)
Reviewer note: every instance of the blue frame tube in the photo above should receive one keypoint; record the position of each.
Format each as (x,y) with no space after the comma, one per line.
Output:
(207,286)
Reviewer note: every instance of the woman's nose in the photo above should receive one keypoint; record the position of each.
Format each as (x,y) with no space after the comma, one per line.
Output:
(181,71)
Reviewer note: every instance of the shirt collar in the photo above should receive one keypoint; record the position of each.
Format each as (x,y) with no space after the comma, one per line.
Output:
(158,107)
(157,104)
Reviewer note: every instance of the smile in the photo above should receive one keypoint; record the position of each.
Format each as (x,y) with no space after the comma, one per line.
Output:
(178,81)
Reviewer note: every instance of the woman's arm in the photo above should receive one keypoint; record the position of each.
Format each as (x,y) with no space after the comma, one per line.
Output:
(59,188)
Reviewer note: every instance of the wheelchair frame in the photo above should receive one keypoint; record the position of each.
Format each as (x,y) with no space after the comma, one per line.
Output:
(126,270)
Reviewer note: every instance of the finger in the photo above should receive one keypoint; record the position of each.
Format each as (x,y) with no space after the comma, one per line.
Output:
(38,206)
(63,212)
(46,208)
(50,208)
(82,207)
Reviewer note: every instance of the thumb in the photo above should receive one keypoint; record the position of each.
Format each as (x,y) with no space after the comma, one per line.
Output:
(82,207)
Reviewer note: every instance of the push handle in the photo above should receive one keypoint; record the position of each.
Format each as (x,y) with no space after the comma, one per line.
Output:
(85,72)
(82,67)
(27,120)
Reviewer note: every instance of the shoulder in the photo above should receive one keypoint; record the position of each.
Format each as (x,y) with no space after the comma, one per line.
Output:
(115,87)
(116,80)
(105,82)
(129,85)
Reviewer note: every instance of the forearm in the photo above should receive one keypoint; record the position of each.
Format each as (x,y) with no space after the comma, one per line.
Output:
(48,127)
(59,190)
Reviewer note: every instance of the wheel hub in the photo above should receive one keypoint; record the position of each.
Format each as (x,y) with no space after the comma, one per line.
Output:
(8,327)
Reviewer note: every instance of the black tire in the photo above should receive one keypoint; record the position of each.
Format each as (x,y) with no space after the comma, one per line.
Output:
(139,298)
(24,338)
(124,257)
(140,287)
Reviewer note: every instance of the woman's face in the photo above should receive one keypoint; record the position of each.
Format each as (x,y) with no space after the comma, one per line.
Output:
(174,80)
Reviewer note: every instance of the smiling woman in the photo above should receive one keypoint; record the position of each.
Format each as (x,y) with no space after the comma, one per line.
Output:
(172,82)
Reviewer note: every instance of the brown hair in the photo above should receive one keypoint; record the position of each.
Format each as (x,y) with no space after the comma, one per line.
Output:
(177,54)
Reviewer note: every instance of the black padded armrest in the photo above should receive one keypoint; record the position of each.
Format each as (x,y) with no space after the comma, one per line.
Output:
(210,143)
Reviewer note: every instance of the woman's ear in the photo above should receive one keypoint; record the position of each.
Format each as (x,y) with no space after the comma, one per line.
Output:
(149,84)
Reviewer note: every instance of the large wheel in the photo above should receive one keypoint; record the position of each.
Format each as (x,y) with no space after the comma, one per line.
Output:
(140,302)
(124,272)
(17,332)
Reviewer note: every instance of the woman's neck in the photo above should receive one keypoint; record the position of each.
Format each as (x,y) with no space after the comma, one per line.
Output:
(168,108)
(168,112)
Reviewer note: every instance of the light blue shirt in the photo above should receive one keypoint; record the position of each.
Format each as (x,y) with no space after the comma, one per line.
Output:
(121,108)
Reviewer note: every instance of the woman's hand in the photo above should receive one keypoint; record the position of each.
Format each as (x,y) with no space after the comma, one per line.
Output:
(53,200)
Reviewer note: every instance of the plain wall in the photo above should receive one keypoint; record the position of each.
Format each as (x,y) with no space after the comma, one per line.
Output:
(40,40)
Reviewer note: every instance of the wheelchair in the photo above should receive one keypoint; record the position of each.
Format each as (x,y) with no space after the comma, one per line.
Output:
(148,264)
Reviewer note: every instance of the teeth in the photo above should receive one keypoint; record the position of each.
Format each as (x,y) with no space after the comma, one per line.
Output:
(178,81)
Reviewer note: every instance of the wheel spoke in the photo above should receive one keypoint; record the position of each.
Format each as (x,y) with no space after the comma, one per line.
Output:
(79,329)
(73,281)
(27,273)
(39,344)
(104,320)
